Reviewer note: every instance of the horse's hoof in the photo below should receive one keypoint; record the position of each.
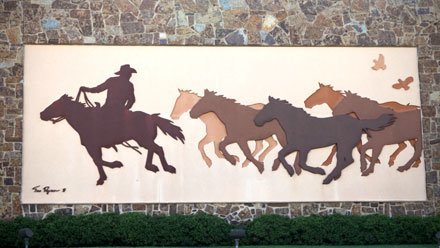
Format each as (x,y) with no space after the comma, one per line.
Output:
(100,182)
(319,171)
(327,181)
(230,159)
(170,169)
(391,163)
(237,159)
(416,164)
(117,164)
(402,169)
(245,163)
(276,165)
(152,168)
(365,173)
(208,162)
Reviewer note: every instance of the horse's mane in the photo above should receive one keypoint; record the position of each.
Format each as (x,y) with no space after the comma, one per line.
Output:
(330,86)
(364,100)
(289,106)
(224,99)
(188,91)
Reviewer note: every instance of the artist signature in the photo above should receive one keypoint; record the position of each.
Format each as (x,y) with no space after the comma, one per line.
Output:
(47,189)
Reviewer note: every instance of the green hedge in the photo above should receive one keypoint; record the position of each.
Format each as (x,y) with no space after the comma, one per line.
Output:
(342,230)
(131,229)
(137,229)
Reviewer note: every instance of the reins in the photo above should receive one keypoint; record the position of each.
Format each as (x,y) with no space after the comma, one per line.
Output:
(86,99)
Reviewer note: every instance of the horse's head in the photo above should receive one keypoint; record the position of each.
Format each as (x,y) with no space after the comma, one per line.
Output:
(56,109)
(206,104)
(267,113)
(320,96)
(184,102)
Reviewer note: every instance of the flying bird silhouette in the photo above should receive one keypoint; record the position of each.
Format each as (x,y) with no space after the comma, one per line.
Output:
(403,84)
(379,63)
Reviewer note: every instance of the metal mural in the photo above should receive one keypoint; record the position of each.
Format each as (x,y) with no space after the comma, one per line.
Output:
(259,107)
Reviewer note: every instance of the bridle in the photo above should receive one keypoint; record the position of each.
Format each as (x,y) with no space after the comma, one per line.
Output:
(56,120)
(86,99)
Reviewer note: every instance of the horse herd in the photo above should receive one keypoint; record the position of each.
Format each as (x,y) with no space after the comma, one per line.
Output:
(228,122)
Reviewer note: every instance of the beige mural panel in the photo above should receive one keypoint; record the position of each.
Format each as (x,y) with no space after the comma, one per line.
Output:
(58,169)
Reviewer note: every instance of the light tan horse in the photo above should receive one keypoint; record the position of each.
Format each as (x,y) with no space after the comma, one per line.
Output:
(327,95)
(215,129)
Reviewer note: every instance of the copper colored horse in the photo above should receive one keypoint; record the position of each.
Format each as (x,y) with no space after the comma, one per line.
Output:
(327,95)
(406,127)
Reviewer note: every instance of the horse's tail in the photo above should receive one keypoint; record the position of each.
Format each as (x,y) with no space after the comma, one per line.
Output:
(168,128)
(377,124)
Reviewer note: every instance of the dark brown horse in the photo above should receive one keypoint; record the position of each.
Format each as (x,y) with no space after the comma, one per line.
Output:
(97,130)
(240,128)
(406,127)
(305,132)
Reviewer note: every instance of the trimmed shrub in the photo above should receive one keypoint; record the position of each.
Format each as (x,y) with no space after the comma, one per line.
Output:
(269,230)
(342,230)
(138,229)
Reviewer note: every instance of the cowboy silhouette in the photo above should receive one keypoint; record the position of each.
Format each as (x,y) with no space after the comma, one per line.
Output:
(113,123)
(120,91)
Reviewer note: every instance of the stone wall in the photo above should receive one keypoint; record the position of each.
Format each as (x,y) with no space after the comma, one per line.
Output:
(217,22)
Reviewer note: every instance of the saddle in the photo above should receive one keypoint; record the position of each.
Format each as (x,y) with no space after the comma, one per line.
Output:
(106,116)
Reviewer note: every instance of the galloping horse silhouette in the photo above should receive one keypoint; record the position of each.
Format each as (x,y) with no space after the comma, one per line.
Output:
(327,95)
(406,127)
(97,131)
(215,129)
(238,121)
(240,128)
(305,132)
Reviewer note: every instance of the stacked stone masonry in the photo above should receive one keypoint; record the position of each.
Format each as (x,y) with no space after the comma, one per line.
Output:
(217,22)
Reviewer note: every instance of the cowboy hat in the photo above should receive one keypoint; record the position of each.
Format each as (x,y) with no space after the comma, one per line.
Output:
(125,69)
